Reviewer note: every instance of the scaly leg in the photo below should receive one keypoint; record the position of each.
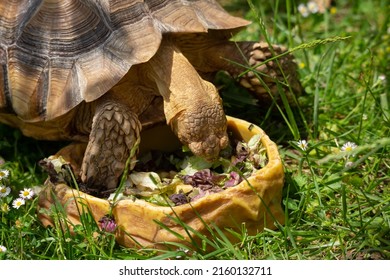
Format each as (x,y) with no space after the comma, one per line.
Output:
(210,55)
(266,77)
(115,132)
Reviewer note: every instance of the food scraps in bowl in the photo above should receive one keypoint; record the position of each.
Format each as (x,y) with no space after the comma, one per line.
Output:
(171,179)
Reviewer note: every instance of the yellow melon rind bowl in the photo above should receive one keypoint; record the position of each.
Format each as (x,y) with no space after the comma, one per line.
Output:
(255,202)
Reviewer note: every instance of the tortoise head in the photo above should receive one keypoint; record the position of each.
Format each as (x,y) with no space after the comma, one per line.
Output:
(203,129)
(192,106)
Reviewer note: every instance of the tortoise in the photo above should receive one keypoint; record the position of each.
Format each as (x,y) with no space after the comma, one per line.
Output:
(97,72)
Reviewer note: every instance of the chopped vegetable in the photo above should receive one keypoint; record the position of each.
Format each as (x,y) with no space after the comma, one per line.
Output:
(179,178)
(194,177)
(57,168)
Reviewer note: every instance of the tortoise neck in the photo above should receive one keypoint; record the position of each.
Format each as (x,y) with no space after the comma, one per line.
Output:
(176,79)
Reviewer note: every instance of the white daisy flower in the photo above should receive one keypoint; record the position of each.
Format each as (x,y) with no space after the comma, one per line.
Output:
(303,10)
(26,193)
(349,146)
(4,191)
(3,249)
(302,144)
(18,202)
(4,173)
(312,7)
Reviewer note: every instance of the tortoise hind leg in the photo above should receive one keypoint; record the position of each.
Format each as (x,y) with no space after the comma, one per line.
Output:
(269,74)
(210,55)
(115,133)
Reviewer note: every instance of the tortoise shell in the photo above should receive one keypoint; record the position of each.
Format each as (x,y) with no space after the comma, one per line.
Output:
(54,54)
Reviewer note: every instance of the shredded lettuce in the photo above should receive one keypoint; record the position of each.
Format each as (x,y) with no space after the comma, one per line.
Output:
(196,177)
(193,178)
(192,164)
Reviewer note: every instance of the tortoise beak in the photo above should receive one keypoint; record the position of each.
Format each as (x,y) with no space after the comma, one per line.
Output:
(210,147)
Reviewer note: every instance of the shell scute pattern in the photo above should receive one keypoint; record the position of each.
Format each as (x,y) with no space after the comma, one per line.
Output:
(56,54)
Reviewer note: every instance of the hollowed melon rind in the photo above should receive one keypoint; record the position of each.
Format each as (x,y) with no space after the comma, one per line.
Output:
(255,202)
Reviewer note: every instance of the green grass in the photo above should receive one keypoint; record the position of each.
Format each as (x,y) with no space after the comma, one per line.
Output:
(337,204)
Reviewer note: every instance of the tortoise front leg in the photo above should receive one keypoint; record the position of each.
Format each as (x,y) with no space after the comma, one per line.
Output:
(115,132)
